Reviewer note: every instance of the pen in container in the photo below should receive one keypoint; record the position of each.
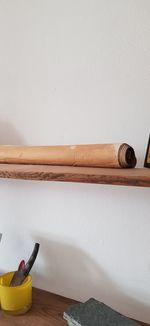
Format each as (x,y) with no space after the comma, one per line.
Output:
(24,269)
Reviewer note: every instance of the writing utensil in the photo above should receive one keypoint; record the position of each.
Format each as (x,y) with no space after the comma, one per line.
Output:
(21,265)
(22,273)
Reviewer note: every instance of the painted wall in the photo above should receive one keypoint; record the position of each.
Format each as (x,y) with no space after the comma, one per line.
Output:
(77,72)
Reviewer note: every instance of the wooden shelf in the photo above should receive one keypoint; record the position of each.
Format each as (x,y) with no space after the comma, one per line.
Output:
(47,310)
(127,177)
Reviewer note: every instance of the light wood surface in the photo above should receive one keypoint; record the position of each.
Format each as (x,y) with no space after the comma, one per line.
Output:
(128,177)
(47,310)
(95,155)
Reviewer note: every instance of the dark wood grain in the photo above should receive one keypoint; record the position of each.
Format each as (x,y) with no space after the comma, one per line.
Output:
(47,310)
(127,177)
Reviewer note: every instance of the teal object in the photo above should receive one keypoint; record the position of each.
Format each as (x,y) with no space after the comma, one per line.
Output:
(95,313)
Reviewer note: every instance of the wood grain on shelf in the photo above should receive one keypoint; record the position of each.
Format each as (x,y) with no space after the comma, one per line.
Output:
(47,310)
(128,177)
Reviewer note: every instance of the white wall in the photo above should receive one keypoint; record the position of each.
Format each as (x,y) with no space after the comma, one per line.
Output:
(77,72)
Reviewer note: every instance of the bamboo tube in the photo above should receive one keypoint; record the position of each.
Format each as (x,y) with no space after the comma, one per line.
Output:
(97,155)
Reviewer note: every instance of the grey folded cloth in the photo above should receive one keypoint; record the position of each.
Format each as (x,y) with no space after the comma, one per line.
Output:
(95,313)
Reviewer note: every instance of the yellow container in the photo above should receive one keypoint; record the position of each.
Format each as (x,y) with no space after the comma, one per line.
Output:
(18,299)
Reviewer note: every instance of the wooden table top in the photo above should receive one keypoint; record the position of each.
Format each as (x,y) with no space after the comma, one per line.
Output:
(47,310)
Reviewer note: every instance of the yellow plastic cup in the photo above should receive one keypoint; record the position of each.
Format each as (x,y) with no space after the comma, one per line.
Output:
(18,299)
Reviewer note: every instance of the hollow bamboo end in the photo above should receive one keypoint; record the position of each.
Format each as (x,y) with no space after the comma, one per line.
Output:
(126,156)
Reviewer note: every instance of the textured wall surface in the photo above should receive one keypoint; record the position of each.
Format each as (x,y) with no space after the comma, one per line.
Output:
(77,72)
